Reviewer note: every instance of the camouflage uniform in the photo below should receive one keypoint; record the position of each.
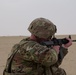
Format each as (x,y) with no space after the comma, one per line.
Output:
(31,58)
(35,59)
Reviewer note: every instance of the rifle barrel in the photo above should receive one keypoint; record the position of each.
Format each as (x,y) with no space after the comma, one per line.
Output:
(73,40)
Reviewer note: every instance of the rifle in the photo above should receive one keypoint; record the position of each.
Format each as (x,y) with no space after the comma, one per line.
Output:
(54,42)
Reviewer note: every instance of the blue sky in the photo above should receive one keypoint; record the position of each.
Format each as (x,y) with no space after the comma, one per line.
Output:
(16,15)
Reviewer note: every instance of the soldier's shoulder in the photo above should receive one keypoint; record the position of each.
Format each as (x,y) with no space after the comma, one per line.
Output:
(28,41)
(24,40)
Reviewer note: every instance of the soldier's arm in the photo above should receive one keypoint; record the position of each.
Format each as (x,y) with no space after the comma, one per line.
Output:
(40,54)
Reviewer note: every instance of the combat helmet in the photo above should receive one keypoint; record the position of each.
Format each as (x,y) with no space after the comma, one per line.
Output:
(42,28)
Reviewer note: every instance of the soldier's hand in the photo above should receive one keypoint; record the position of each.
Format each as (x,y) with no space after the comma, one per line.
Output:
(57,47)
(68,44)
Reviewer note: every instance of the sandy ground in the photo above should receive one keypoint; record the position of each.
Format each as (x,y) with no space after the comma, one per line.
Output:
(6,43)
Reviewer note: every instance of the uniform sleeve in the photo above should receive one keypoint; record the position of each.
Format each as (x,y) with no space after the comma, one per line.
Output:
(62,54)
(40,54)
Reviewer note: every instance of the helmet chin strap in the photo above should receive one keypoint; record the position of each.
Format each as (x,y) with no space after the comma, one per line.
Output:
(53,36)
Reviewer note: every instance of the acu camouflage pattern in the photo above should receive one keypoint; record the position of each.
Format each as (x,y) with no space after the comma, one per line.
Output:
(42,28)
(31,58)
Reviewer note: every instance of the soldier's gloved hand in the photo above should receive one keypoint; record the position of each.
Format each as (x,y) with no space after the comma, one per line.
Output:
(57,47)
(68,44)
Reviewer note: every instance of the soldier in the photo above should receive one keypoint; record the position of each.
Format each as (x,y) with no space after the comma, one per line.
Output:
(30,57)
